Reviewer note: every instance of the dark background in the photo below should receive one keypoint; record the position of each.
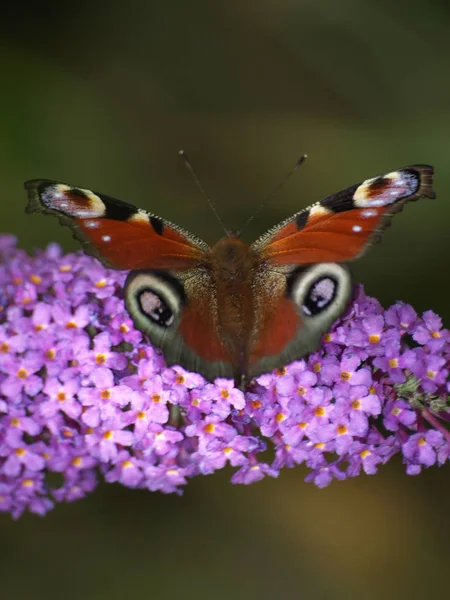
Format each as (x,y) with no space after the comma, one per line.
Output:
(103,95)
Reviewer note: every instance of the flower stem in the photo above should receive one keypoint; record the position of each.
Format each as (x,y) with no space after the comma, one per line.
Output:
(436,423)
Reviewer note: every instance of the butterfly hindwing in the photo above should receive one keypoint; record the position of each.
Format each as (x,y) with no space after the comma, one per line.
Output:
(295,307)
(117,233)
(178,312)
(344,225)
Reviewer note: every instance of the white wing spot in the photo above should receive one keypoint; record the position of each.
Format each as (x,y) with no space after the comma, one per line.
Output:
(106,238)
(369,213)
(92,224)
(356,228)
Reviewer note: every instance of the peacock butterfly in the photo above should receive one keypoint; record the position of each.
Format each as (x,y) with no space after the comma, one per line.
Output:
(234,310)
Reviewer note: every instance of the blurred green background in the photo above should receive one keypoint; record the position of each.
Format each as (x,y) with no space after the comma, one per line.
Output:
(103,95)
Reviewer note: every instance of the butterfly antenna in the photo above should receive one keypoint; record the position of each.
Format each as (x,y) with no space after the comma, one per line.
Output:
(299,162)
(188,164)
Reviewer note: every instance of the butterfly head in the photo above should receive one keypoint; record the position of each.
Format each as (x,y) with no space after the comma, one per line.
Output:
(231,258)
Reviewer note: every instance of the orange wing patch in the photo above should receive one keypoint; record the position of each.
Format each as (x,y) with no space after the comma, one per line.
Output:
(136,245)
(342,226)
(201,336)
(279,324)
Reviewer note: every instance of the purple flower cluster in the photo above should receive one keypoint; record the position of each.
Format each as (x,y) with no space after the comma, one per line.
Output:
(83,395)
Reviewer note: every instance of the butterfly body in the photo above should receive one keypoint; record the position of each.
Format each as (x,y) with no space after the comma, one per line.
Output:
(234,310)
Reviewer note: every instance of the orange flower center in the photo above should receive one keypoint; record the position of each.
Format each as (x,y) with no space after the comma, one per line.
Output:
(22,373)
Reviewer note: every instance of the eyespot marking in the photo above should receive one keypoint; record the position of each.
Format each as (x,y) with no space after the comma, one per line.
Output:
(320,295)
(155,308)
(74,202)
(386,189)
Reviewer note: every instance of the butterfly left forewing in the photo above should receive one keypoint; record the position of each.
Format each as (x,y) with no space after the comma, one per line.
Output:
(342,226)
(117,233)
(169,292)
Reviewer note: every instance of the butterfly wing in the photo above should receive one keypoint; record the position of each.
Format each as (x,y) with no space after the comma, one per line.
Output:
(343,226)
(307,289)
(169,292)
(120,235)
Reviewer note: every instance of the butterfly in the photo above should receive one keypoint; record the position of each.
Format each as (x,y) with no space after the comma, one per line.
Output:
(234,310)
